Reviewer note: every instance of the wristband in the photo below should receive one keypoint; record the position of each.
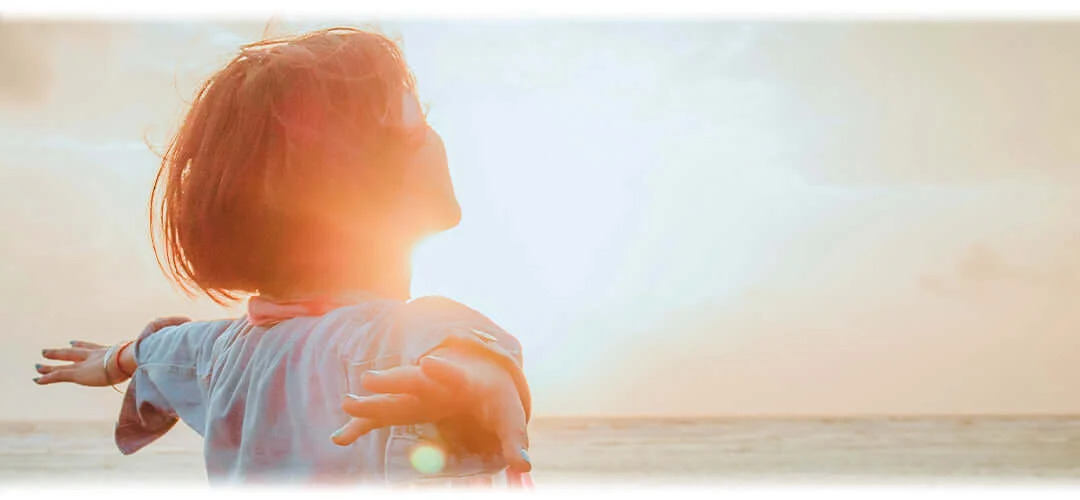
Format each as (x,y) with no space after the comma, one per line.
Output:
(105,366)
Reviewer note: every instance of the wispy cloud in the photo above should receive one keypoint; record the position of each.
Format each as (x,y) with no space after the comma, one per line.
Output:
(13,142)
(927,103)
(25,73)
(981,267)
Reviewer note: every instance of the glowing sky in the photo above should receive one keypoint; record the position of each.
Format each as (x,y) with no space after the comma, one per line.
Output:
(673,217)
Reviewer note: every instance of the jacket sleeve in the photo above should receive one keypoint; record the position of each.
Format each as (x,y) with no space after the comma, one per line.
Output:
(170,383)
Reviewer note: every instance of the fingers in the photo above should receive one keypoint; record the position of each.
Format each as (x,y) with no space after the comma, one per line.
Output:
(445,372)
(508,417)
(510,426)
(72,354)
(82,344)
(391,409)
(513,479)
(519,480)
(467,435)
(353,430)
(46,369)
(398,380)
(55,376)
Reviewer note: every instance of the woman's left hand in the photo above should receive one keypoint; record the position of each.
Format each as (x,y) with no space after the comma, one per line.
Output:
(462,393)
(86,367)
(87,360)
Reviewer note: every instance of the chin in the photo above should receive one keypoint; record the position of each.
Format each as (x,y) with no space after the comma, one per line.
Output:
(449,218)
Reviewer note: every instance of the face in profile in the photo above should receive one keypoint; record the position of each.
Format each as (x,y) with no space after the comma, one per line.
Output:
(429,192)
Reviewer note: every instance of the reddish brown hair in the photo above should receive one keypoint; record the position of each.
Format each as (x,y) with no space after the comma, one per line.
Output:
(281,152)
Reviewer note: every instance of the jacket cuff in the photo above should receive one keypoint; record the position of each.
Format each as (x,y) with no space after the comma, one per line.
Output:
(140,424)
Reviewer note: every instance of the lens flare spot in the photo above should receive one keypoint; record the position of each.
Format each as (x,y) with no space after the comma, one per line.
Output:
(427,459)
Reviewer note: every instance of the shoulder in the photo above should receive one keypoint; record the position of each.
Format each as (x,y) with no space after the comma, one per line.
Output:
(415,326)
(445,314)
(209,327)
(436,305)
(215,325)
(178,325)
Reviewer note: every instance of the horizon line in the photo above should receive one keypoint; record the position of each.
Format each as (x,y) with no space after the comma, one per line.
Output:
(693,416)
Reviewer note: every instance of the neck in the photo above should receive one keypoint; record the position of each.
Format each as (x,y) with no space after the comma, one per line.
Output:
(388,275)
(385,272)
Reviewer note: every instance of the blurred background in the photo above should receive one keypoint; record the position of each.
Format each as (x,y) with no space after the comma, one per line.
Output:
(675,218)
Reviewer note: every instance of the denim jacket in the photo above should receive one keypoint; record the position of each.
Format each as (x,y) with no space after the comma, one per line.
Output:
(267,398)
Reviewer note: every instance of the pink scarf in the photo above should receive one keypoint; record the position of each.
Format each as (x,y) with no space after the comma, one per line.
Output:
(266,312)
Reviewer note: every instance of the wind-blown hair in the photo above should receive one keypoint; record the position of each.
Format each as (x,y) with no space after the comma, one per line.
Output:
(266,183)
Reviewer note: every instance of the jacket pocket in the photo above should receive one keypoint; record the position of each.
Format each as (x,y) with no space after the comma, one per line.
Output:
(417,456)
